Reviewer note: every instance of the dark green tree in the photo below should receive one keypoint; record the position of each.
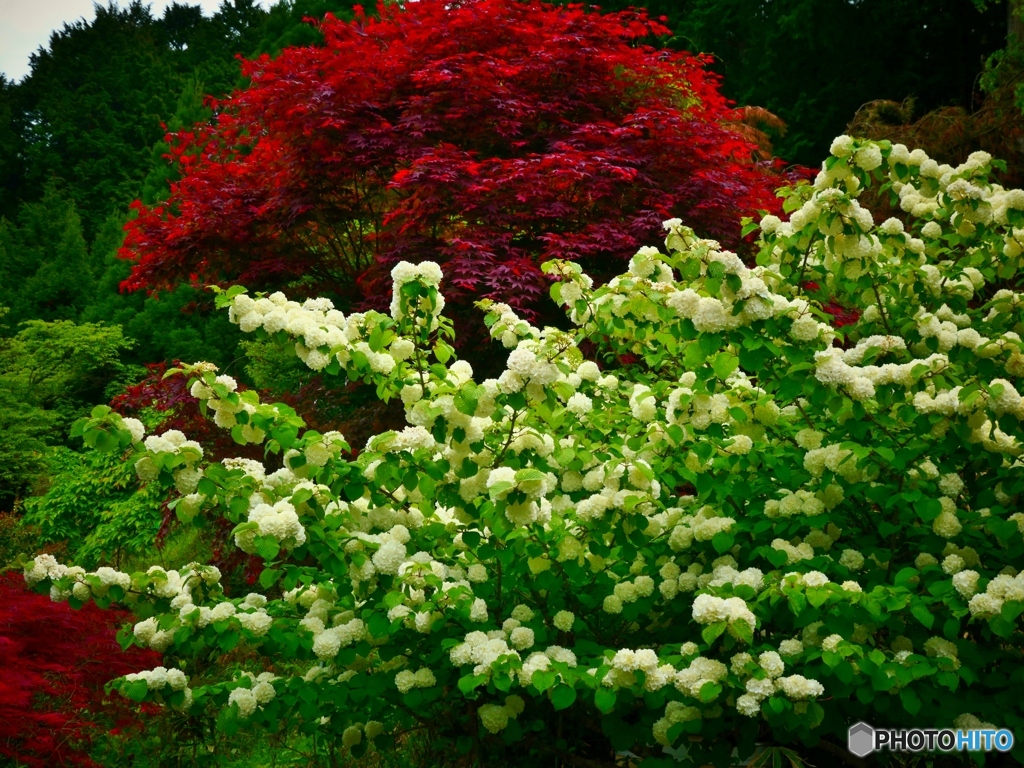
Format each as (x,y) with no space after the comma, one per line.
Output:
(815,62)
(11,149)
(99,94)
(177,324)
(46,271)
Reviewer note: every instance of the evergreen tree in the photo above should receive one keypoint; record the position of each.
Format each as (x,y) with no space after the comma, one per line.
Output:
(46,271)
(815,62)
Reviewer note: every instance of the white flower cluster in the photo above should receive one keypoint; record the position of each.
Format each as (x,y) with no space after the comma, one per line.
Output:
(626,662)
(675,712)
(708,609)
(999,590)
(495,717)
(799,503)
(173,442)
(406,680)
(322,331)
(798,687)
(279,521)
(161,679)
(939,647)
(428,274)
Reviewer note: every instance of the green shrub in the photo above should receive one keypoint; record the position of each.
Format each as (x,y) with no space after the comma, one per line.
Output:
(760,529)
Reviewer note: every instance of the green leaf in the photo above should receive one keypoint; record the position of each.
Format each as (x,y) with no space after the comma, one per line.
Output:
(1001,626)
(604,700)
(911,701)
(922,614)
(563,696)
(797,602)
(710,691)
(542,680)
(742,631)
(467,683)
(268,577)
(722,541)
(529,475)
(725,365)
(817,596)
(106,442)
(378,625)
(713,631)
(136,690)
(267,547)
(499,488)
(1011,610)
(466,399)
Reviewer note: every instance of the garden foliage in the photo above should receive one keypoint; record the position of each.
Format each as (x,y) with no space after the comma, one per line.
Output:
(49,372)
(761,531)
(770,53)
(47,686)
(489,136)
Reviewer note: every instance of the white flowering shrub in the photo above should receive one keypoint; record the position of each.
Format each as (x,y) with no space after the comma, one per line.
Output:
(762,531)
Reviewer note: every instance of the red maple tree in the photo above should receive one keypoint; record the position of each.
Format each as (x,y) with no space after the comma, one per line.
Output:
(54,662)
(487,135)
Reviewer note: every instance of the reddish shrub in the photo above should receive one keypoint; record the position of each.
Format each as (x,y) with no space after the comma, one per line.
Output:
(488,135)
(170,397)
(54,662)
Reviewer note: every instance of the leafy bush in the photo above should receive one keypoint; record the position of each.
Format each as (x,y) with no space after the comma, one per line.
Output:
(48,372)
(522,132)
(54,662)
(94,505)
(762,530)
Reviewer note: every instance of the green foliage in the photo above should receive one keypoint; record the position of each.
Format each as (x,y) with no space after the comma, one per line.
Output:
(46,272)
(97,95)
(190,111)
(11,149)
(173,325)
(273,368)
(92,504)
(24,430)
(15,538)
(750,533)
(286,23)
(782,55)
(48,372)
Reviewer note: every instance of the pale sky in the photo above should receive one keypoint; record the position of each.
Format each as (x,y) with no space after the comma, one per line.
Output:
(25,25)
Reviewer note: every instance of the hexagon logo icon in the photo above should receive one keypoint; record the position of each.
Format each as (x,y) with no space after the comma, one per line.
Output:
(860,739)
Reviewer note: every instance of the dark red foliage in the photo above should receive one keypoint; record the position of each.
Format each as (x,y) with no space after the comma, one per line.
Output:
(54,662)
(170,397)
(488,135)
(840,314)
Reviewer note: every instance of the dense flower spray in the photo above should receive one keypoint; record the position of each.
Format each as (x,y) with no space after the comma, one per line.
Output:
(763,526)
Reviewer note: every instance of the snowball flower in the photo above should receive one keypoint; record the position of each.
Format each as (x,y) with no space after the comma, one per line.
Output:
(564,620)
(245,700)
(798,687)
